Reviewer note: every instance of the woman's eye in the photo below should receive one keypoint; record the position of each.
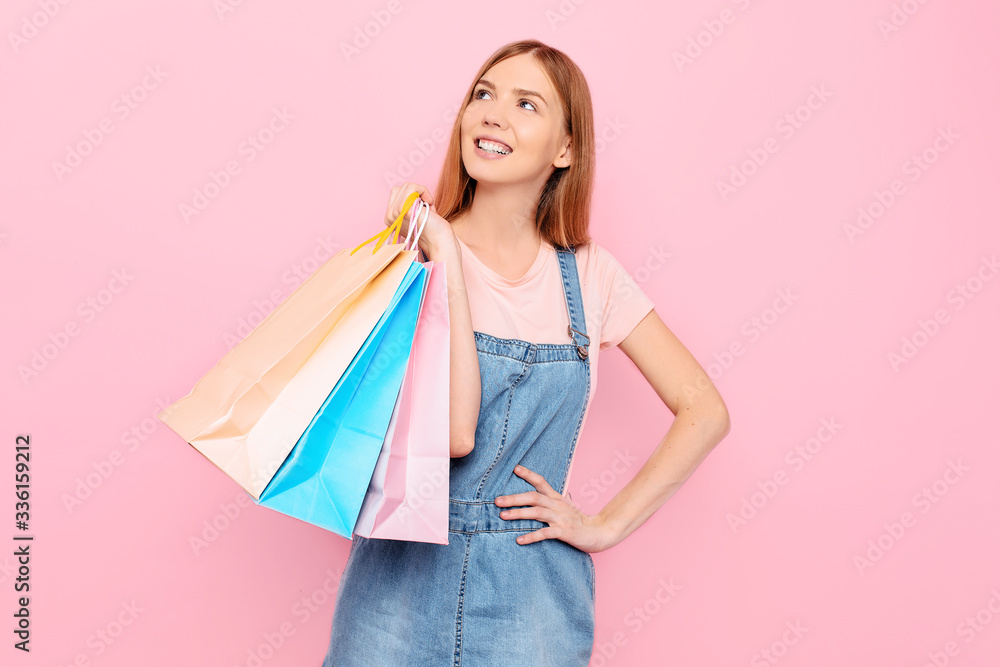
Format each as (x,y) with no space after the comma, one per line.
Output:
(476,96)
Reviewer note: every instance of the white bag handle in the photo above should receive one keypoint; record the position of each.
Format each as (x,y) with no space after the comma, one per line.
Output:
(415,212)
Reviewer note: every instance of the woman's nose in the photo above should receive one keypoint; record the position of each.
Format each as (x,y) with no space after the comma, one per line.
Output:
(495,116)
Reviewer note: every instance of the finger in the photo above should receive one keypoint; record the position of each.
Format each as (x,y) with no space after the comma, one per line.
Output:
(425,194)
(536,512)
(526,498)
(535,479)
(397,198)
(536,536)
(405,191)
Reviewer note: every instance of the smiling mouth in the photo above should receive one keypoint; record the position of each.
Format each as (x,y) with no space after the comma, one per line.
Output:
(493,147)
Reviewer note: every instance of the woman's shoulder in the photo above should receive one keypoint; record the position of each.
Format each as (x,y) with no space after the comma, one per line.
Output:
(595,259)
(601,271)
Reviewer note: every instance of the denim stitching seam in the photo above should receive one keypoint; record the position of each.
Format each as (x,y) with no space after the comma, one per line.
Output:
(461,605)
(503,437)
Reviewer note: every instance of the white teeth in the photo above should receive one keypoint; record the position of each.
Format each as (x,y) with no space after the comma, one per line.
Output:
(493,147)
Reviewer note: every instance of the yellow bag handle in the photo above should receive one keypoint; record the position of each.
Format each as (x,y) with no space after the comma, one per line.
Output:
(393,229)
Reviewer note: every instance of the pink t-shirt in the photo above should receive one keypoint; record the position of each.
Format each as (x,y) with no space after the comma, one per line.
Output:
(533,307)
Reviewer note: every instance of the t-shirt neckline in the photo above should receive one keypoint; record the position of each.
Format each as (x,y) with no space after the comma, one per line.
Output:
(495,277)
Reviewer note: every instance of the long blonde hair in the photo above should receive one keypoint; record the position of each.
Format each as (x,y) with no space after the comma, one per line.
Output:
(563,214)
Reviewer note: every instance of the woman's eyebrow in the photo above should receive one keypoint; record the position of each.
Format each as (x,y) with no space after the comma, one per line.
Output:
(517,91)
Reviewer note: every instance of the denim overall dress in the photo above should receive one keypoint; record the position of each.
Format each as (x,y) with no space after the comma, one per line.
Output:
(483,600)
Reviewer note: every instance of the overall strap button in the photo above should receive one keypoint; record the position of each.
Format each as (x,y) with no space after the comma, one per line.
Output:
(580,349)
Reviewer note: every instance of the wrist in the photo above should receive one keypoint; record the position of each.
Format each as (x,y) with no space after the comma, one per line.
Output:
(443,249)
(611,529)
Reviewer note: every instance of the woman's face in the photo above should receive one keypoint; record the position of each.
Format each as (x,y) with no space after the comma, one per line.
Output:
(515,105)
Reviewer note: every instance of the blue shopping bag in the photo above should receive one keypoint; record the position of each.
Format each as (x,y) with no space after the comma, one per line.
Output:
(324,478)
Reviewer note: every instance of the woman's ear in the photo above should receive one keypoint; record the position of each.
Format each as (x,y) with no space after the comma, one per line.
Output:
(566,157)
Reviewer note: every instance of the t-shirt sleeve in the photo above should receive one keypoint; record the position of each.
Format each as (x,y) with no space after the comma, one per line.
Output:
(625,304)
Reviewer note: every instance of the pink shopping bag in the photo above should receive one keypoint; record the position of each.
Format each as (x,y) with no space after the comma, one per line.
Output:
(407,498)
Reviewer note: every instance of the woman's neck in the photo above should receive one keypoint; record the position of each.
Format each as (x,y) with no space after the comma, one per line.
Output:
(500,221)
(502,236)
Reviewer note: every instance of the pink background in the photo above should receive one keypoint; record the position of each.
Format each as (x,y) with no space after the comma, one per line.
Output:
(783,585)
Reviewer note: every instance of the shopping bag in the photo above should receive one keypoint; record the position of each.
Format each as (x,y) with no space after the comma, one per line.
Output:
(407,498)
(247,412)
(324,478)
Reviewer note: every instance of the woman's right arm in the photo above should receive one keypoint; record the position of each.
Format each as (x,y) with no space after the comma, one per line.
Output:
(466,384)
(440,244)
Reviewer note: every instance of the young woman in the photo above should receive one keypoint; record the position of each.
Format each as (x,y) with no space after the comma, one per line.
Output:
(532,302)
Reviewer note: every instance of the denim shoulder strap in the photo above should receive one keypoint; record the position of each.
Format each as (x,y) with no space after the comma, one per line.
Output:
(574,299)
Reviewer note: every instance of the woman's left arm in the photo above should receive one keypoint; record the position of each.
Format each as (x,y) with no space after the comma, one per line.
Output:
(701,421)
